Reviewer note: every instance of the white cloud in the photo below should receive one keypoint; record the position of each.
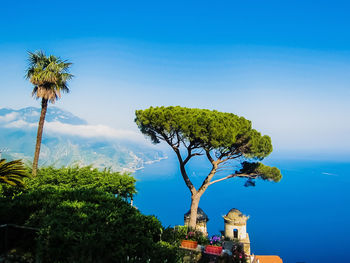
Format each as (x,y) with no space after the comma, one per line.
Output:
(87,131)
(20,124)
(33,113)
(90,131)
(9,117)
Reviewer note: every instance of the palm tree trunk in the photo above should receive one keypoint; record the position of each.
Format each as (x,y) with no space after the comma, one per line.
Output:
(39,135)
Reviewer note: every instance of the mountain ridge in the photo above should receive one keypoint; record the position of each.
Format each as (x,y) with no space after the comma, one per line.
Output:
(70,140)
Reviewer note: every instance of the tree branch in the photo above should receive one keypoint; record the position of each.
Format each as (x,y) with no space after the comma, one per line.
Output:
(178,140)
(251,176)
(189,153)
(222,179)
(190,147)
(206,181)
(231,157)
(184,173)
(207,152)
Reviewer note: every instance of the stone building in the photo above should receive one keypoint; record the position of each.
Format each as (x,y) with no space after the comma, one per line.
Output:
(202,220)
(236,228)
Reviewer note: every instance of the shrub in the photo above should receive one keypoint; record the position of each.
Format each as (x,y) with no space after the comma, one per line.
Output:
(175,235)
(79,219)
(116,183)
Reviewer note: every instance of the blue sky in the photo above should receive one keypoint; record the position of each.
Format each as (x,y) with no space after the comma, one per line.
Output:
(282,64)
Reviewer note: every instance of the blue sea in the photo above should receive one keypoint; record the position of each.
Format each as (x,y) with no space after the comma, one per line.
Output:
(303,218)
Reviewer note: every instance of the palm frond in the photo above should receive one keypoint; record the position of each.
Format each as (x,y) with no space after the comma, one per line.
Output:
(48,74)
(12,172)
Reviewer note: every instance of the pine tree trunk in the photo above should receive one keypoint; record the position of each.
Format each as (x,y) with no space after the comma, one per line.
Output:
(39,136)
(193,215)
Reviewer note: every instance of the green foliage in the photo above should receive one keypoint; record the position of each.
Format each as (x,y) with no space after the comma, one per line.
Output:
(223,135)
(84,178)
(177,234)
(200,238)
(167,252)
(215,240)
(265,172)
(210,130)
(12,173)
(174,235)
(79,219)
(238,254)
(83,225)
(48,74)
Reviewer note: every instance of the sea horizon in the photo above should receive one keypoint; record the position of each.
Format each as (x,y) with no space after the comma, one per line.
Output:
(303,218)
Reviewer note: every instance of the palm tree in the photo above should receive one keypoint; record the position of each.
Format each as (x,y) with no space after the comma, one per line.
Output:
(12,172)
(49,75)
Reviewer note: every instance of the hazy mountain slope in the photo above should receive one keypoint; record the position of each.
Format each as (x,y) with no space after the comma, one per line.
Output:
(69,140)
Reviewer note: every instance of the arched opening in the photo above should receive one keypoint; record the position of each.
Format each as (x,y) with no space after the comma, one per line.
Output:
(235,233)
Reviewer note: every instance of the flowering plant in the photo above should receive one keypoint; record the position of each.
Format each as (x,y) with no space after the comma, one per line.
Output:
(191,236)
(238,254)
(196,236)
(215,241)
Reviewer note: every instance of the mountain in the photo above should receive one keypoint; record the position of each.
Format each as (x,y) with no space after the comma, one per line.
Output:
(70,140)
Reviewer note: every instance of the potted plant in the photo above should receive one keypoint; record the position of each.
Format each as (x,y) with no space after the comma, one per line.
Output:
(215,246)
(190,241)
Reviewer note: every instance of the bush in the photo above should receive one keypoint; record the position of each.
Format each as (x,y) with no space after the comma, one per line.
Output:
(83,225)
(79,219)
(121,184)
(84,178)
(175,235)
(167,252)
(238,255)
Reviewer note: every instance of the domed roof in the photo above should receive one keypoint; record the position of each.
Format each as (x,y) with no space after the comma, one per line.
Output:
(234,213)
(235,217)
(201,216)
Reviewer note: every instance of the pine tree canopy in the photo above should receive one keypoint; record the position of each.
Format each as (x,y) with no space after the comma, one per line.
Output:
(223,135)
